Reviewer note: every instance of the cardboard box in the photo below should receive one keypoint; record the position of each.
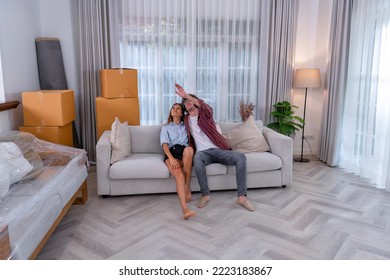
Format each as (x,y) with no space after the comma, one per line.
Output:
(125,109)
(119,83)
(5,248)
(48,107)
(56,134)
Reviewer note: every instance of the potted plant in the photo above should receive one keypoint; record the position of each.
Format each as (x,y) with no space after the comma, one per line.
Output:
(285,121)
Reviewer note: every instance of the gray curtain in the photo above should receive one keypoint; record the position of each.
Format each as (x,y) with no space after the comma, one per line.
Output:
(93,53)
(335,83)
(277,47)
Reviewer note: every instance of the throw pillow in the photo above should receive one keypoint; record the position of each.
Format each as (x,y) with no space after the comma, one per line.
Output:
(5,181)
(218,127)
(120,141)
(247,137)
(13,157)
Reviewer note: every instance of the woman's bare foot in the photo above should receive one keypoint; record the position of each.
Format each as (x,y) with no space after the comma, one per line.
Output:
(188,193)
(188,213)
(188,197)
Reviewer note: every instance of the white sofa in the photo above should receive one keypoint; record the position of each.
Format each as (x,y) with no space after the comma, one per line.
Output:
(145,172)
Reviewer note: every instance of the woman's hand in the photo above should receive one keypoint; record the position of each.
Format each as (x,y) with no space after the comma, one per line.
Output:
(174,163)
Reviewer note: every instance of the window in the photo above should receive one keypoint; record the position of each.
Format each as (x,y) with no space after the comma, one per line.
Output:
(215,57)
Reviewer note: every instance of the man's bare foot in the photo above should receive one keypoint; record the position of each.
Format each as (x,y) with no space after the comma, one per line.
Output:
(188,213)
(242,201)
(203,201)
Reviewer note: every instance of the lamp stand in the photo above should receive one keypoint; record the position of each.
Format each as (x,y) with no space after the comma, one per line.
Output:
(301,159)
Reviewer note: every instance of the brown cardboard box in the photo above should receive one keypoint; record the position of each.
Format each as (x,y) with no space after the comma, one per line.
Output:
(56,134)
(5,248)
(119,83)
(125,109)
(48,107)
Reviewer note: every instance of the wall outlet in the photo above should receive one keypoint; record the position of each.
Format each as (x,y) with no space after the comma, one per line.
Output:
(309,137)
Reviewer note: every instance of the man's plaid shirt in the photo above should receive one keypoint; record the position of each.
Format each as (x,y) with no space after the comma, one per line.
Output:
(207,125)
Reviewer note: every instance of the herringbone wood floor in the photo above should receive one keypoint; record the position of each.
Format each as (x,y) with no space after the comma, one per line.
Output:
(325,214)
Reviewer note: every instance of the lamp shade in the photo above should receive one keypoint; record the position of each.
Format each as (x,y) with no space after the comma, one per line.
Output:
(307,78)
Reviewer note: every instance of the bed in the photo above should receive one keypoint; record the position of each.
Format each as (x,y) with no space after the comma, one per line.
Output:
(54,178)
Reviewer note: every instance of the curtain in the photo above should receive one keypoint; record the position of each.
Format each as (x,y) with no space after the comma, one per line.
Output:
(366,120)
(93,53)
(216,49)
(277,48)
(335,83)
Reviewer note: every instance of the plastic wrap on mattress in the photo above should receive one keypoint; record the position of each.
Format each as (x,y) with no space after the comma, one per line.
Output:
(32,205)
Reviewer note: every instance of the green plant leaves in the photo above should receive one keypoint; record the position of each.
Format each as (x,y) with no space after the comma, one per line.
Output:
(285,121)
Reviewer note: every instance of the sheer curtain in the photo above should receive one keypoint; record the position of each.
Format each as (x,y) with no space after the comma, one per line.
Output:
(277,48)
(335,83)
(209,47)
(365,148)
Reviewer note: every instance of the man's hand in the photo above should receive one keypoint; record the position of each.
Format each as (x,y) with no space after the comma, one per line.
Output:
(180,91)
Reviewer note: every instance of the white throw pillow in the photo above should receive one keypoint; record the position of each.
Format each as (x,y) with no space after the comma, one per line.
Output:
(13,157)
(5,180)
(120,141)
(247,137)
(218,127)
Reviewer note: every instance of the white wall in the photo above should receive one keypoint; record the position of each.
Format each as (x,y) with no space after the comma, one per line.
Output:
(56,22)
(311,52)
(21,22)
(19,26)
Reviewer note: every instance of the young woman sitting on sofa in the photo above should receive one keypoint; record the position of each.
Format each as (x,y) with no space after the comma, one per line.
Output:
(178,155)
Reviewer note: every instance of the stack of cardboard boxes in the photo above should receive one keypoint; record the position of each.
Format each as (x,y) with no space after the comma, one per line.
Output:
(48,114)
(119,98)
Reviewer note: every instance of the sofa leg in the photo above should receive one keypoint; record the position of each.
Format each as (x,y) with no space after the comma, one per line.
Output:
(283,186)
(105,195)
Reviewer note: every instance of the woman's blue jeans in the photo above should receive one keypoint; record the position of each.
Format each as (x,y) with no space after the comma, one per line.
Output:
(226,157)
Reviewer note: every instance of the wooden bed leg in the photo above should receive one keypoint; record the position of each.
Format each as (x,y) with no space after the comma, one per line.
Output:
(5,248)
(84,194)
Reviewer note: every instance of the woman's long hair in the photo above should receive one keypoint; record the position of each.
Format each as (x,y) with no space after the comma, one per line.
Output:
(170,119)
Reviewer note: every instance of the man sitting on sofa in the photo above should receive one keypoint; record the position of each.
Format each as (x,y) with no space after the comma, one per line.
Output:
(211,147)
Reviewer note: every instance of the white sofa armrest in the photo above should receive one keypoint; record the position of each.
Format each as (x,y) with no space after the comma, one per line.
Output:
(282,146)
(103,156)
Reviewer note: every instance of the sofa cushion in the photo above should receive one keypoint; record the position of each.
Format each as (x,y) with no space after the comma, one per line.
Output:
(140,166)
(257,162)
(146,139)
(213,169)
(247,137)
(227,126)
(120,141)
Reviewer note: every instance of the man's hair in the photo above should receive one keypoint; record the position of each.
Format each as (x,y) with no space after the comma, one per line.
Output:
(184,99)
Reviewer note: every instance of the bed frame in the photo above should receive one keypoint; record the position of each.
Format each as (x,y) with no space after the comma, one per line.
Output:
(5,248)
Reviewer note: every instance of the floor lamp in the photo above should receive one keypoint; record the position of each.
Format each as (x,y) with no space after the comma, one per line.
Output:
(306,78)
